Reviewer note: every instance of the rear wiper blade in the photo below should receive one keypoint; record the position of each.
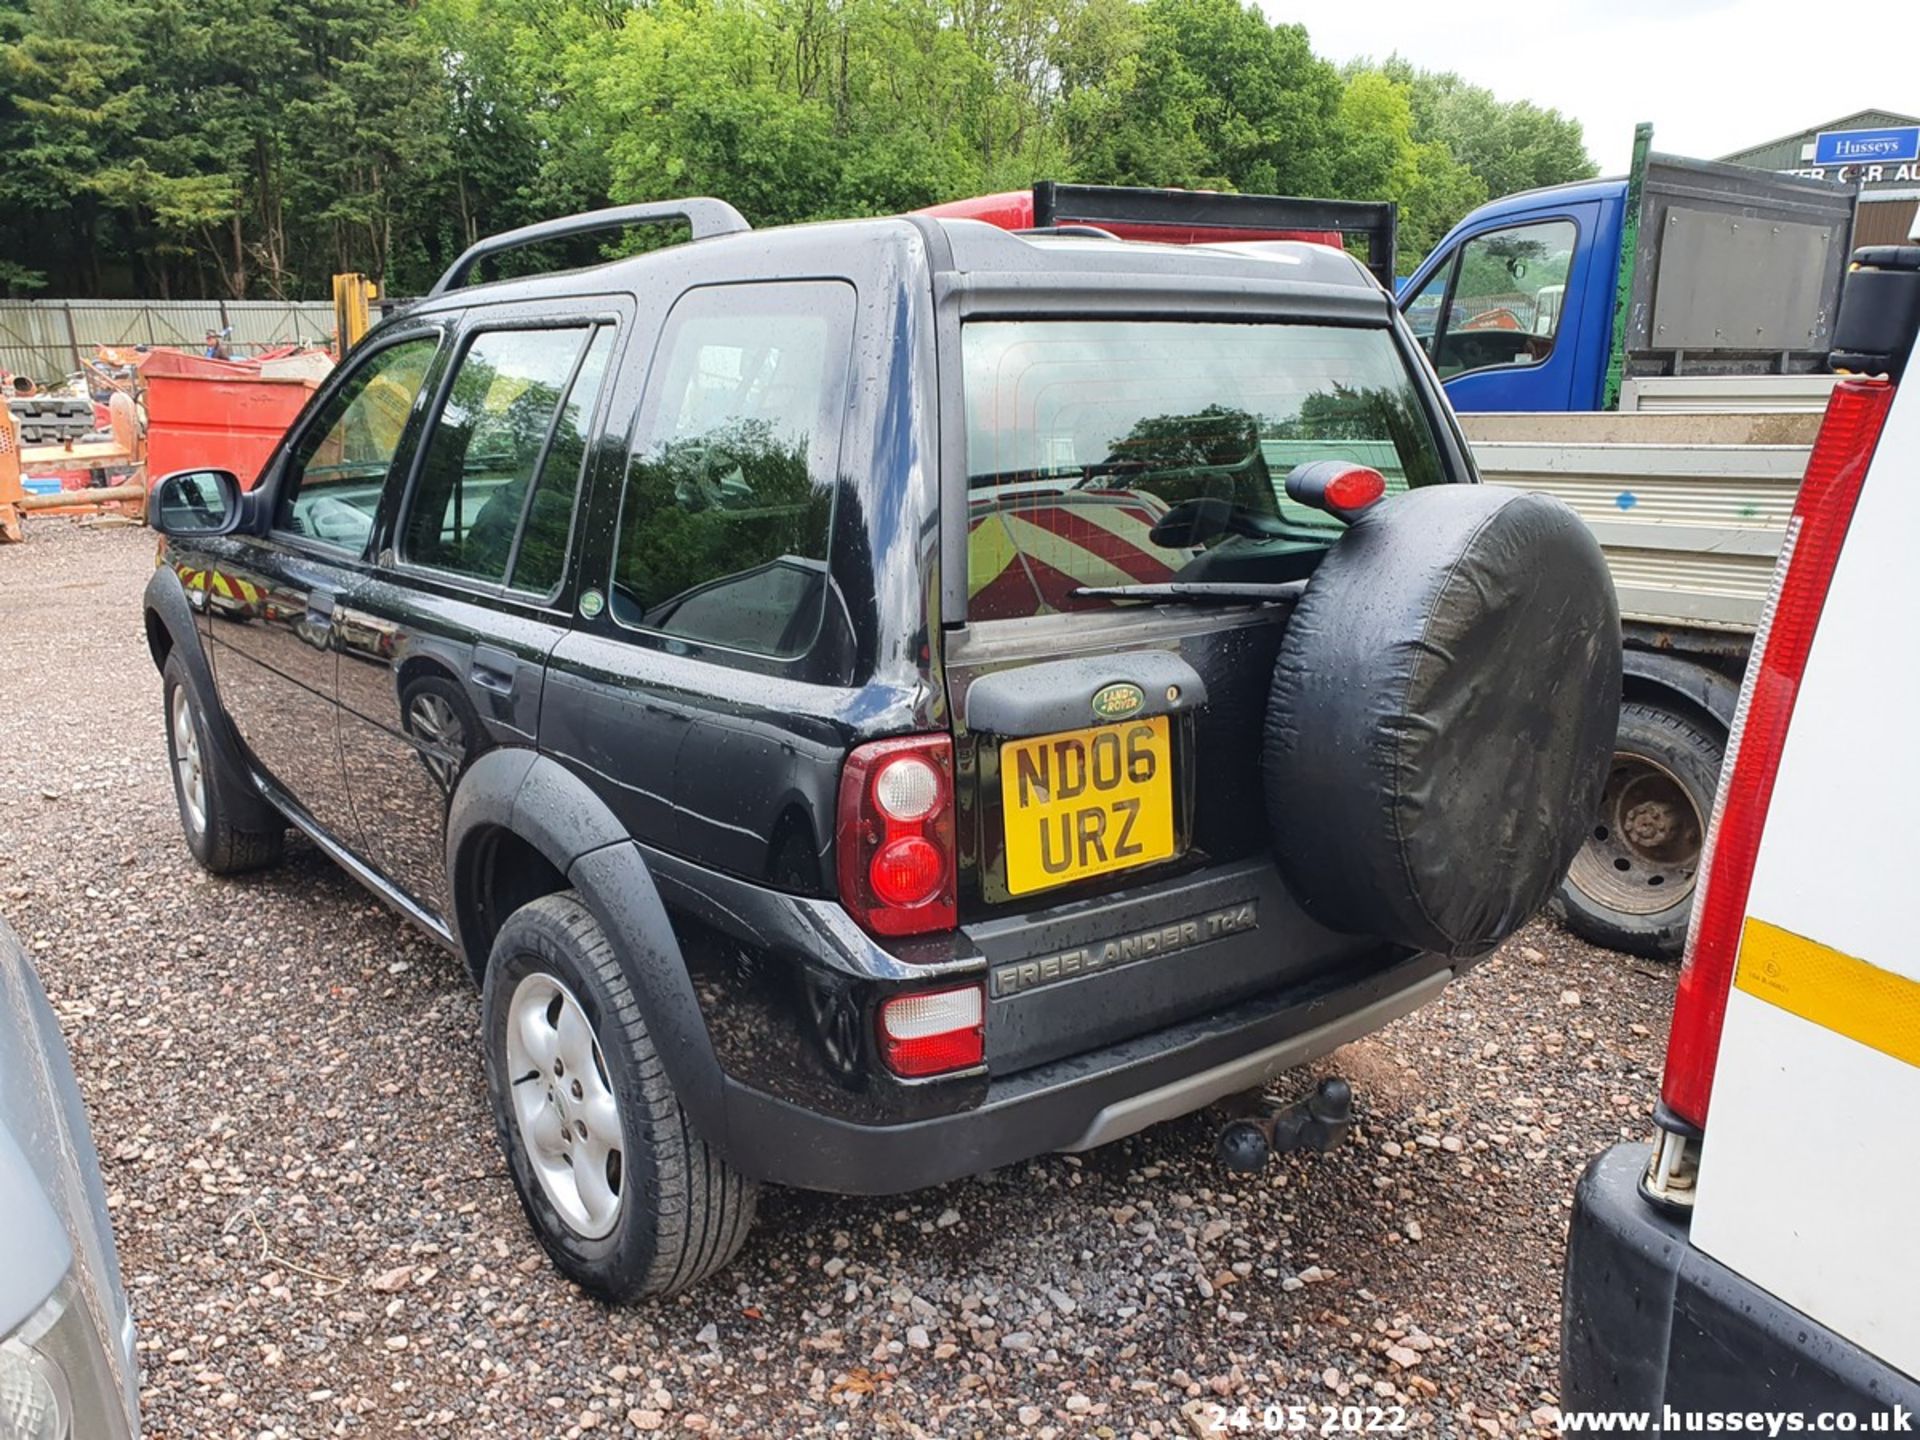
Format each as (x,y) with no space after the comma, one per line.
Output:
(1197,592)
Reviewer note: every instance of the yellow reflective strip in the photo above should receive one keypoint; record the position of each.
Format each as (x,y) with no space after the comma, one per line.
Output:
(1837,992)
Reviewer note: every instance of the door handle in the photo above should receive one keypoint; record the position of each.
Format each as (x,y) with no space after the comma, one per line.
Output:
(494,670)
(316,626)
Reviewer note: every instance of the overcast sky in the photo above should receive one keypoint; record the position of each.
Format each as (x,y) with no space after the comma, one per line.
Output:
(1712,75)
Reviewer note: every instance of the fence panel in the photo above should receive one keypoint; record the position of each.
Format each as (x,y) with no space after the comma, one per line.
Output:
(47,339)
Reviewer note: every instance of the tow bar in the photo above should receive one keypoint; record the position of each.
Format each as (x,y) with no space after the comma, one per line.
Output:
(1317,1122)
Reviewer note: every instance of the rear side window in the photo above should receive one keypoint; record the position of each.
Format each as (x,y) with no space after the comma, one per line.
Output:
(542,554)
(723,528)
(1103,453)
(485,446)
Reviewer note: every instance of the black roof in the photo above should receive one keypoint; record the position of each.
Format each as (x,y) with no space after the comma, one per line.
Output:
(938,245)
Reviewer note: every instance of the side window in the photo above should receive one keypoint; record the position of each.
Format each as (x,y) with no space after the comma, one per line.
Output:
(542,554)
(331,489)
(483,449)
(723,528)
(1507,296)
(1423,311)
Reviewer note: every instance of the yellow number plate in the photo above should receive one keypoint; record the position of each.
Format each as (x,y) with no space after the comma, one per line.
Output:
(1086,802)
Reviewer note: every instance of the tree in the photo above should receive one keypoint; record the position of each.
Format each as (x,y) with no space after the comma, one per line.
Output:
(1212,95)
(256,147)
(69,113)
(1510,145)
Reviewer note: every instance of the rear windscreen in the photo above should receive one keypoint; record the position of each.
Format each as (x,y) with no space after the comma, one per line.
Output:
(1107,453)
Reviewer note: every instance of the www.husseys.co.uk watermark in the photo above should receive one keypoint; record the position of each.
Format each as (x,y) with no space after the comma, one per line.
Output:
(1894,1420)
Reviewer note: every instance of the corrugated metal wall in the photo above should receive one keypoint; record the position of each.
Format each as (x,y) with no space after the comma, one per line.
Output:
(1887,222)
(1784,153)
(47,338)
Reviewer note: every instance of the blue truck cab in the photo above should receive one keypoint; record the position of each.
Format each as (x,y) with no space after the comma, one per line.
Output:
(1549,299)
(1525,287)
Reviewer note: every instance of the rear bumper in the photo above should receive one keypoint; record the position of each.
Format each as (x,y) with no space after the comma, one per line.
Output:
(1649,1322)
(1077,1103)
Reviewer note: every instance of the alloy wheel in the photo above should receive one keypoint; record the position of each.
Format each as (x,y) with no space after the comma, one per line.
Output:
(564,1105)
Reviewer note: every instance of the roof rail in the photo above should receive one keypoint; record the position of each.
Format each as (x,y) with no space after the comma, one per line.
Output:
(1057,204)
(705,216)
(1072,230)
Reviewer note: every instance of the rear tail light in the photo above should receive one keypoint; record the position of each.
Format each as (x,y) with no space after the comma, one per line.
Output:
(934,1032)
(896,837)
(1808,555)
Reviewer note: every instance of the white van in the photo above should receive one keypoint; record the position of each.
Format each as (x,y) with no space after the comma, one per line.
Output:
(1764,1253)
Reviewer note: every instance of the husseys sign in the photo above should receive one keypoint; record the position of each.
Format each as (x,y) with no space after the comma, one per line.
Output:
(1886,156)
(1891,145)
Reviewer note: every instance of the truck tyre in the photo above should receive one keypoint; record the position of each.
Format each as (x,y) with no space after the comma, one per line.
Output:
(1631,886)
(1443,708)
(625,1197)
(209,808)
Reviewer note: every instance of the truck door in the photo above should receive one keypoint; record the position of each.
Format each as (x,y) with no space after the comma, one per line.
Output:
(442,648)
(274,626)
(1500,314)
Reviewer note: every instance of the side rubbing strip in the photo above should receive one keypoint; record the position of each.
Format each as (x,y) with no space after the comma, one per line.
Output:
(1837,992)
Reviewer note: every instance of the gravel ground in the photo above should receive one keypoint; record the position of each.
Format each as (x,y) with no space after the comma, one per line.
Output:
(321,1238)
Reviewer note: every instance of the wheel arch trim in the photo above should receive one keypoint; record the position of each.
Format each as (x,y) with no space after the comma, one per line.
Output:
(535,798)
(165,603)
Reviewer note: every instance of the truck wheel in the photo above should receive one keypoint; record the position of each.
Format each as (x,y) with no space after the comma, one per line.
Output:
(209,810)
(1631,886)
(623,1194)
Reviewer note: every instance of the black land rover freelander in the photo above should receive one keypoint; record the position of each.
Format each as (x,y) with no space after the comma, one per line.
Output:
(872,702)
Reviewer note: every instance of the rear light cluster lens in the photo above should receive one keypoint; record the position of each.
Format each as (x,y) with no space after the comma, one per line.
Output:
(1811,550)
(934,1032)
(906,788)
(907,871)
(896,835)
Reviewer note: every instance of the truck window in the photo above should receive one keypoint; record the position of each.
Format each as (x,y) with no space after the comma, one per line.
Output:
(549,524)
(723,528)
(1105,453)
(339,466)
(1499,301)
(490,434)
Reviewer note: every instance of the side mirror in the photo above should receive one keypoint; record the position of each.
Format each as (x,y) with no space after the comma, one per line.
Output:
(195,502)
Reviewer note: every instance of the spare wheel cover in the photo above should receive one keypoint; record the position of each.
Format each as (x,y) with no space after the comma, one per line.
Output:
(1442,716)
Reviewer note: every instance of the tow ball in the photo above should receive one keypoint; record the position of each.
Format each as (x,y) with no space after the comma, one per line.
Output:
(1315,1122)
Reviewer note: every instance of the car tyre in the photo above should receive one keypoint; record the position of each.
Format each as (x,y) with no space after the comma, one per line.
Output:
(679,1212)
(1635,892)
(211,813)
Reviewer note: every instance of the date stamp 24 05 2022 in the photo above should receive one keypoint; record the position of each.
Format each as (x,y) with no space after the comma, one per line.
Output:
(1278,1418)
